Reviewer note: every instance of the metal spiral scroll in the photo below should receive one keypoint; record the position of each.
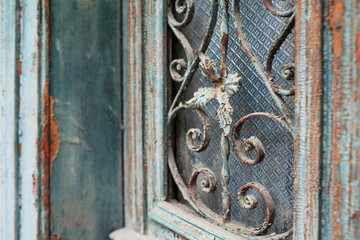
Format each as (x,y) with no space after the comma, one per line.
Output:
(224,85)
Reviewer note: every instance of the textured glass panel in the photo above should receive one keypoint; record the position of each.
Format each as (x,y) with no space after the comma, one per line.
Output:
(276,171)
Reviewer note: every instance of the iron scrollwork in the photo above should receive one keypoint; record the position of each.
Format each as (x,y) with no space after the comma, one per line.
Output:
(225,84)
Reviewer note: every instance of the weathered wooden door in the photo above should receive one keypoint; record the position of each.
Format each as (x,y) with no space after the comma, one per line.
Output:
(179,119)
(243,119)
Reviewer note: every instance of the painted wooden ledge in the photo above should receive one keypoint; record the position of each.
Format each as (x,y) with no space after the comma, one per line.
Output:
(129,234)
(184,221)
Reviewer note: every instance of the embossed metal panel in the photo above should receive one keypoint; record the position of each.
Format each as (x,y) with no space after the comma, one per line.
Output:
(242,177)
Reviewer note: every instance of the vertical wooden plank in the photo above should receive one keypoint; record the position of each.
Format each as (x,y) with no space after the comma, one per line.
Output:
(30,63)
(145,118)
(308,117)
(135,166)
(45,140)
(155,105)
(85,111)
(8,121)
(341,183)
(155,88)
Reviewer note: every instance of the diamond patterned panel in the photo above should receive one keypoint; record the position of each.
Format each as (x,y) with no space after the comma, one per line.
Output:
(276,170)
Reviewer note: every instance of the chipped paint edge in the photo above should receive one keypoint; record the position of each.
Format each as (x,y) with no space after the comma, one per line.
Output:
(22,79)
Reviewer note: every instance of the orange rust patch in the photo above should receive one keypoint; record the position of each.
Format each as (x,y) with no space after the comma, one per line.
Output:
(337,23)
(54,135)
(50,137)
(19,149)
(19,65)
(55,237)
(49,147)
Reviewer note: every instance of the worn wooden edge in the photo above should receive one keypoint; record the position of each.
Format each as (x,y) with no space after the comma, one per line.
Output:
(155,99)
(145,93)
(184,221)
(134,161)
(48,141)
(308,100)
(341,183)
(8,121)
(31,65)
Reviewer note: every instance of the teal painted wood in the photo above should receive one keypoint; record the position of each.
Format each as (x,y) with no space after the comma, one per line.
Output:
(156,87)
(156,92)
(340,204)
(8,123)
(86,172)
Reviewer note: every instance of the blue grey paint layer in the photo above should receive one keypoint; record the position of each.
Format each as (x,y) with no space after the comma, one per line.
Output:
(85,85)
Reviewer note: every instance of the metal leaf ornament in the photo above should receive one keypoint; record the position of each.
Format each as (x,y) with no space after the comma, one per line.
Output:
(223,88)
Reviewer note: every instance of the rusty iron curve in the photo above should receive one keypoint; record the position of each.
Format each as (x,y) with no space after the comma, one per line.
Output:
(224,86)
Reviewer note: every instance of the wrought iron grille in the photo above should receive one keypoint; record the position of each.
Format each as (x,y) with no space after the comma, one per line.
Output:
(245,107)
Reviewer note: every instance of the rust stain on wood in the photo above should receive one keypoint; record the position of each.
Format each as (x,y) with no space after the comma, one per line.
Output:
(19,149)
(19,66)
(49,147)
(18,60)
(55,237)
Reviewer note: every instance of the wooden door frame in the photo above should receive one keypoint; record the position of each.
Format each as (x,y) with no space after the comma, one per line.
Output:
(326,65)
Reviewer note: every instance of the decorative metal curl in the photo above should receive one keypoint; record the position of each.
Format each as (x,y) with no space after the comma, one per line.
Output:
(270,7)
(207,186)
(270,55)
(252,142)
(250,202)
(195,133)
(288,71)
(186,9)
(176,67)
(188,12)
(192,61)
